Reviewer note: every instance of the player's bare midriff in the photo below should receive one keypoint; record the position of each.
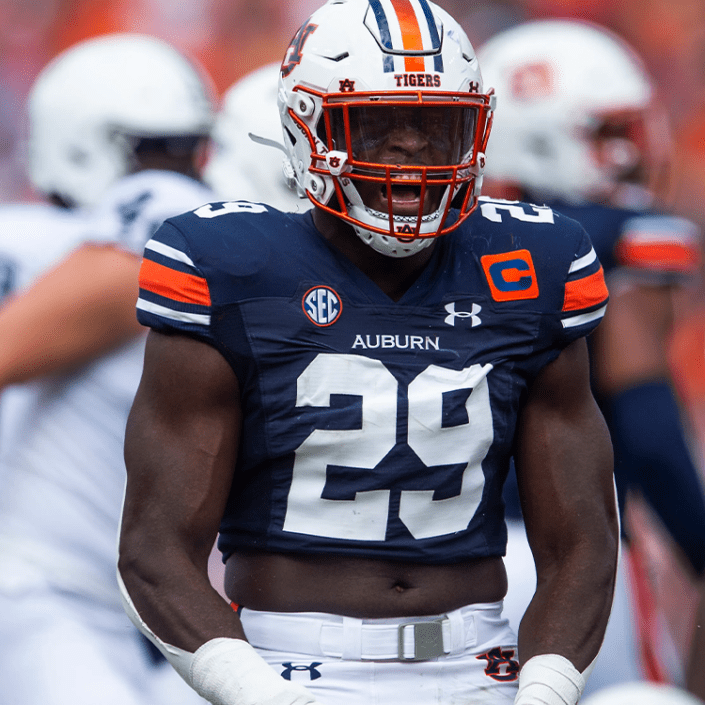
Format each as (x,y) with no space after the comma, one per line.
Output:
(358,587)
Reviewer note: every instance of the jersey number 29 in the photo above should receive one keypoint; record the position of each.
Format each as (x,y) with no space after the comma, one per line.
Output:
(365,517)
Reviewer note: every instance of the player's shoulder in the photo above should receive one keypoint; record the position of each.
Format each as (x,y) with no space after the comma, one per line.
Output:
(534,256)
(234,237)
(233,222)
(508,226)
(647,240)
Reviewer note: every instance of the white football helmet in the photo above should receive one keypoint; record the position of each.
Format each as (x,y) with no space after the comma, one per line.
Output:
(641,693)
(576,117)
(359,71)
(91,103)
(246,162)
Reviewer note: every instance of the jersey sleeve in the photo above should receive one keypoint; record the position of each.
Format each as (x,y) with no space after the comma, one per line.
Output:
(174,295)
(585,293)
(661,246)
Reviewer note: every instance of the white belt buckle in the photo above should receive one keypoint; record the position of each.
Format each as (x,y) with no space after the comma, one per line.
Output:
(428,640)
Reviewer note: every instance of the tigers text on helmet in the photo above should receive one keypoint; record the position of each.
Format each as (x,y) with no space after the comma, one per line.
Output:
(93,102)
(576,116)
(385,122)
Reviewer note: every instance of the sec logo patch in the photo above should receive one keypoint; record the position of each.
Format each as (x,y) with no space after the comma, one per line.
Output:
(511,275)
(322,305)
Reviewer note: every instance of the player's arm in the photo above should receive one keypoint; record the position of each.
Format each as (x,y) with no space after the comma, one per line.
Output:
(83,307)
(632,373)
(181,447)
(564,470)
(630,343)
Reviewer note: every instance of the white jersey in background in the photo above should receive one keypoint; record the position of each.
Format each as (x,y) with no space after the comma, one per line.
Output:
(62,489)
(33,237)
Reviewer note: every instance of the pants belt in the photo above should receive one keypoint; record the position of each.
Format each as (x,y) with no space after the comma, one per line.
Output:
(407,639)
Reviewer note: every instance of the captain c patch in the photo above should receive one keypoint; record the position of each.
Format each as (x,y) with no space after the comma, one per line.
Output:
(511,275)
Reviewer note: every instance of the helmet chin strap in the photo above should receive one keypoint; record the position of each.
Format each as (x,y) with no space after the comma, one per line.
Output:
(267,142)
(390,245)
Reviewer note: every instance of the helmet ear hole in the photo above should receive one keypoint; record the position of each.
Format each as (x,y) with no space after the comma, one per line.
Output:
(303,105)
(315,184)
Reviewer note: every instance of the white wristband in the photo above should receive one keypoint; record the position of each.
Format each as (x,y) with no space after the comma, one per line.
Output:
(224,671)
(230,672)
(549,679)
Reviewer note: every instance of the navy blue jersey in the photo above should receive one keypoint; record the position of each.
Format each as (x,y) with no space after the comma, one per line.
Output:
(657,246)
(373,427)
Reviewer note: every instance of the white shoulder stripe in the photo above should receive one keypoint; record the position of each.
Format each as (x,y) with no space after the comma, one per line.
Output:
(167,251)
(584,261)
(583,318)
(181,316)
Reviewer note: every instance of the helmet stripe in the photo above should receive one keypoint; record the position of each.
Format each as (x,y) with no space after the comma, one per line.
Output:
(384,34)
(407,26)
(433,31)
(410,34)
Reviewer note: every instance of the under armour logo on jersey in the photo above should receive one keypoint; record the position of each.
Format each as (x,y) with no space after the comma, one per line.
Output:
(501,665)
(322,305)
(289,668)
(472,314)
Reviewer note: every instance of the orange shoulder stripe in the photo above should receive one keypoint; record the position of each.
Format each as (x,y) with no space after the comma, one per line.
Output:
(660,256)
(411,34)
(178,286)
(586,292)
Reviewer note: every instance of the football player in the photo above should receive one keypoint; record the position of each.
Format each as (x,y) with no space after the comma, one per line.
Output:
(579,128)
(338,394)
(117,130)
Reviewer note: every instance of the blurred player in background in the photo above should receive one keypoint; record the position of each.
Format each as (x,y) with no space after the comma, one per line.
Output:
(118,128)
(577,127)
(248,160)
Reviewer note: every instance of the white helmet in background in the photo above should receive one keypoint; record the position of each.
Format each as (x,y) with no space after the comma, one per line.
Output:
(241,167)
(576,117)
(641,693)
(359,69)
(93,102)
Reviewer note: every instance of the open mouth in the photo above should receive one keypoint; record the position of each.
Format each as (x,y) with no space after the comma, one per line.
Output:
(405,197)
